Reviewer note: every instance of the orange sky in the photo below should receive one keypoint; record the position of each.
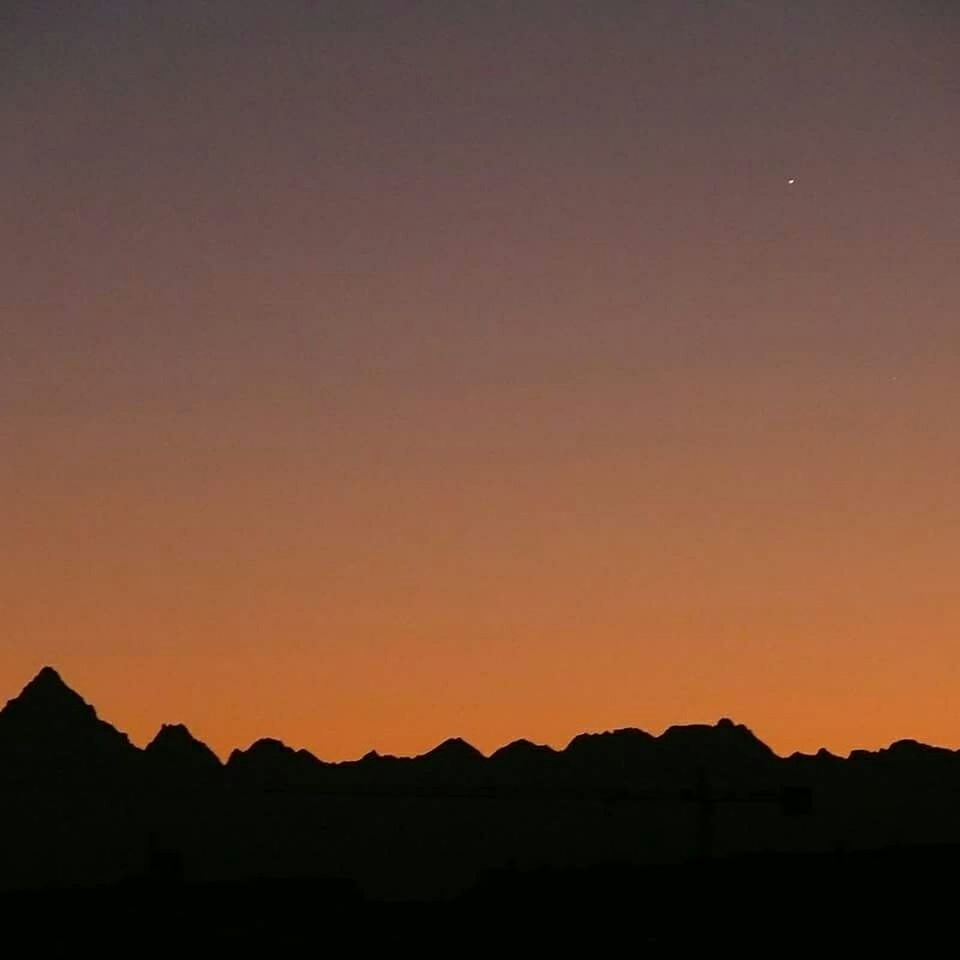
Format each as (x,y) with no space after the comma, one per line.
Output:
(369,383)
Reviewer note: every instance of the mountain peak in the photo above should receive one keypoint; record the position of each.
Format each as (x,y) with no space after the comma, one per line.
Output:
(49,731)
(523,748)
(622,735)
(454,749)
(725,745)
(48,680)
(269,761)
(176,747)
(47,694)
(48,674)
(173,734)
(175,737)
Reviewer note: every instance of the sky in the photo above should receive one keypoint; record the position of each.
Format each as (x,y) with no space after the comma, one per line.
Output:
(378,372)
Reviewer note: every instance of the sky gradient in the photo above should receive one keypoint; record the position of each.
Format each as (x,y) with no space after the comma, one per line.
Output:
(372,373)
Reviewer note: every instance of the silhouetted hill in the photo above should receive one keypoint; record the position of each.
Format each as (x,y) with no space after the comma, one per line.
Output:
(453,764)
(270,763)
(727,753)
(617,758)
(522,763)
(175,754)
(52,735)
(81,805)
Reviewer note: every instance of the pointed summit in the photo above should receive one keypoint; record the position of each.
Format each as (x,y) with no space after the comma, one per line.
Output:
(47,676)
(271,763)
(50,733)
(454,750)
(453,763)
(47,695)
(174,737)
(175,752)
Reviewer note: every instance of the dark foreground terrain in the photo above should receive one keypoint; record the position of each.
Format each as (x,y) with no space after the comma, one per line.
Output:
(699,835)
(892,898)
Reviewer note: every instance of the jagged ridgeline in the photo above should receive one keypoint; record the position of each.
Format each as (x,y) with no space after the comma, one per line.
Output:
(82,805)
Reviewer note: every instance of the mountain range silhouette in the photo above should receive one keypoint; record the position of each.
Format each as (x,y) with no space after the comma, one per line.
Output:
(81,807)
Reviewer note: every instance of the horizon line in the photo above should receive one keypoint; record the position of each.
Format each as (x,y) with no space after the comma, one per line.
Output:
(51,672)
